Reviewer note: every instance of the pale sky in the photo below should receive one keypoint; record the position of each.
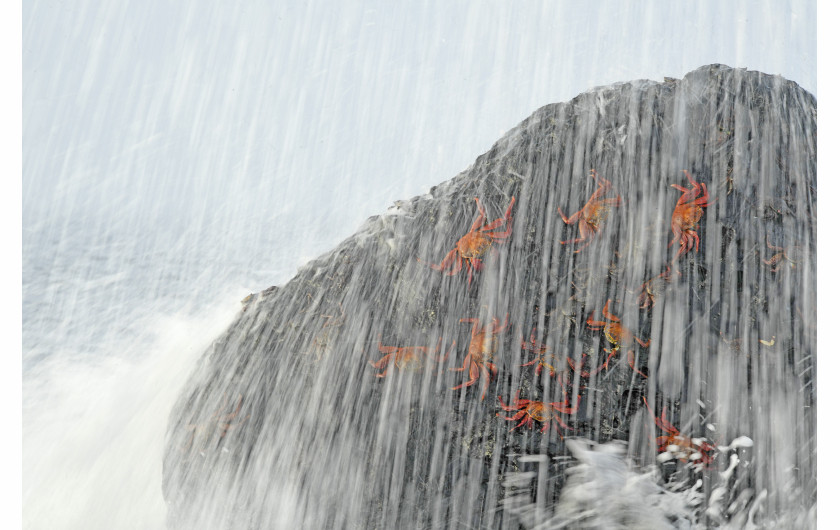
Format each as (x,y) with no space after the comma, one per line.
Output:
(328,112)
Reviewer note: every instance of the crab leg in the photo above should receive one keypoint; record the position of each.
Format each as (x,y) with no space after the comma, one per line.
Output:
(599,179)
(492,367)
(551,371)
(519,403)
(564,408)
(546,425)
(612,201)
(188,445)
(383,362)
(463,368)
(492,226)
(458,264)
(689,195)
(569,220)
(499,222)
(501,235)
(584,237)
(516,417)
(688,240)
(643,344)
(678,236)
(217,416)
(225,427)
(559,423)
(595,324)
(661,422)
(499,327)
(631,360)
(445,264)
(223,422)
(600,191)
(473,264)
(775,260)
(474,321)
(218,413)
(602,366)
(509,208)
(481,216)
(607,314)
(390,351)
(475,373)
(611,354)
(533,345)
(771,247)
(646,293)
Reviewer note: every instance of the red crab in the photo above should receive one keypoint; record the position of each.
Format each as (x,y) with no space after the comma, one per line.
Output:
(783,255)
(407,357)
(475,243)
(652,288)
(483,344)
(541,411)
(617,335)
(543,357)
(687,214)
(593,213)
(214,428)
(680,446)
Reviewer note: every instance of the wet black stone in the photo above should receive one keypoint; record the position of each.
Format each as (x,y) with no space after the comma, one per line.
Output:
(321,442)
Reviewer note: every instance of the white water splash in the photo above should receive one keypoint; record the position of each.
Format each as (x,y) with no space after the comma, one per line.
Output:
(94,428)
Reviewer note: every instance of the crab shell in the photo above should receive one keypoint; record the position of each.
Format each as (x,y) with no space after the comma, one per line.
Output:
(594,214)
(617,334)
(686,216)
(474,245)
(411,359)
(483,348)
(540,411)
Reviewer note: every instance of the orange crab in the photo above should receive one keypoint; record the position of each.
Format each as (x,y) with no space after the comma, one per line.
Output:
(652,288)
(543,357)
(475,243)
(677,445)
(483,344)
(687,214)
(783,255)
(407,357)
(593,213)
(541,411)
(214,428)
(617,335)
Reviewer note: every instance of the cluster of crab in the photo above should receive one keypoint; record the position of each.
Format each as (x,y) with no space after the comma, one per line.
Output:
(478,362)
(469,252)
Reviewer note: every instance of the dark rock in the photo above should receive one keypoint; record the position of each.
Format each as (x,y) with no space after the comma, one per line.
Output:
(284,423)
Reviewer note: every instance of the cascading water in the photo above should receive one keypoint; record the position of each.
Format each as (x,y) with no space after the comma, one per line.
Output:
(178,156)
(607,321)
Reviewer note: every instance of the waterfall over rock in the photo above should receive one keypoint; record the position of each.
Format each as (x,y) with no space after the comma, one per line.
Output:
(619,297)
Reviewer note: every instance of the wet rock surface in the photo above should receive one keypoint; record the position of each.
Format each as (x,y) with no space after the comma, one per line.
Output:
(334,400)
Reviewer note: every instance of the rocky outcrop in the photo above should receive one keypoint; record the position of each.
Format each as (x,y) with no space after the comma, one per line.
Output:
(680,301)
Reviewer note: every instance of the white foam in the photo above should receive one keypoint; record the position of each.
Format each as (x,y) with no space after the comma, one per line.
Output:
(94,429)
